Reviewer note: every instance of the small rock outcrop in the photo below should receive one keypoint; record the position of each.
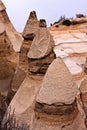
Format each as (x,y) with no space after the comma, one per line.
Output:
(80,15)
(42,23)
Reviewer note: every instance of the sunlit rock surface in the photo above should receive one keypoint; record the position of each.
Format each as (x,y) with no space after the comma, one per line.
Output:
(31,26)
(57,84)
(14,36)
(36,54)
(71,46)
(42,44)
(43,107)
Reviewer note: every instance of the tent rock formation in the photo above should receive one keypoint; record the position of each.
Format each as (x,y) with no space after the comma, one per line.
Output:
(35,55)
(46,106)
(14,36)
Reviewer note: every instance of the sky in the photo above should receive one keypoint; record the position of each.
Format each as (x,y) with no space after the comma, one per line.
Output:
(51,10)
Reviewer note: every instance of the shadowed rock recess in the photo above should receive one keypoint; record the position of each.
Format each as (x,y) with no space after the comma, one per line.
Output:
(85,67)
(83,89)
(7,67)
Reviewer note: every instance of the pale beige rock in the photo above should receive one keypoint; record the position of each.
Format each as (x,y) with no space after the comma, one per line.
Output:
(57,85)
(42,44)
(26,94)
(83,87)
(15,38)
(56,106)
(31,26)
(18,79)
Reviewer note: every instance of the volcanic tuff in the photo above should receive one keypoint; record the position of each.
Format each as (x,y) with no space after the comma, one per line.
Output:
(57,78)
(47,96)
(56,106)
(31,26)
(14,36)
(7,66)
(83,89)
(32,59)
(47,111)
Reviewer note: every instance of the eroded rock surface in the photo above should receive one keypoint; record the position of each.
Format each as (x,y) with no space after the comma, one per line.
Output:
(31,26)
(42,44)
(56,106)
(85,67)
(35,54)
(59,76)
(15,38)
(83,89)
(7,67)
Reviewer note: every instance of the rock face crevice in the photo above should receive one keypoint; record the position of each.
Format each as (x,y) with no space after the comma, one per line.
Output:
(7,67)
(39,66)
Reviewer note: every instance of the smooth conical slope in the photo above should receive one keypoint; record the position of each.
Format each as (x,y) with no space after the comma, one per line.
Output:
(58,86)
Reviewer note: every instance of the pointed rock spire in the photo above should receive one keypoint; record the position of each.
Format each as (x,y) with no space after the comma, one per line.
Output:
(42,23)
(2,6)
(31,26)
(33,15)
(15,38)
